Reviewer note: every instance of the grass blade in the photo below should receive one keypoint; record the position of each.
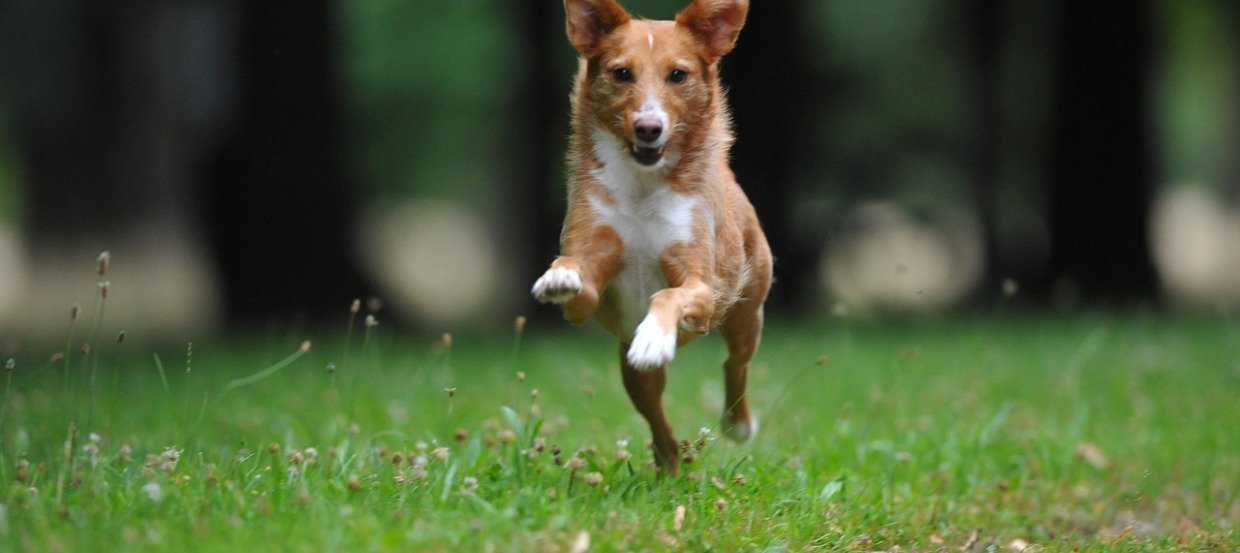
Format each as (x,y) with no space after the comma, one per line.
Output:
(273,369)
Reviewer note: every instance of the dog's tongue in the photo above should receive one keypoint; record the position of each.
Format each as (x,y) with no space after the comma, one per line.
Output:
(647,156)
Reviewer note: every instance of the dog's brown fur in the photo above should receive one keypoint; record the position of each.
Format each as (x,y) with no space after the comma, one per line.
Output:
(659,231)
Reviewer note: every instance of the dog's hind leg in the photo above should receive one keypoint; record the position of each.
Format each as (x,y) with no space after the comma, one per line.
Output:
(742,331)
(645,388)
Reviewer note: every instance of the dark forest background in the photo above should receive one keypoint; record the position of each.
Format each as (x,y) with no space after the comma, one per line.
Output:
(260,161)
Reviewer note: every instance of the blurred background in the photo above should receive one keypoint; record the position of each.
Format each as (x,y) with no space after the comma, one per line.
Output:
(258,162)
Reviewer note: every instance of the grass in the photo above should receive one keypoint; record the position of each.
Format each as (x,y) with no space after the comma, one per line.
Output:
(1091,432)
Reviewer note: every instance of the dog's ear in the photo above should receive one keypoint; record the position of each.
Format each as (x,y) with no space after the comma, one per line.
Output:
(715,23)
(590,20)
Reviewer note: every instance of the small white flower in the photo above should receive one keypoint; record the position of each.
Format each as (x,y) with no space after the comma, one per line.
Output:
(171,454)
(440,453)
(153,491)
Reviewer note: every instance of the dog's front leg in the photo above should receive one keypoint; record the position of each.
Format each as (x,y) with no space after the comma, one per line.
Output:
(688,305)
(575,278)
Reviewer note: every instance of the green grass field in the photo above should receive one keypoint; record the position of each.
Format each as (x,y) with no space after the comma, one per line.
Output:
(1080,433)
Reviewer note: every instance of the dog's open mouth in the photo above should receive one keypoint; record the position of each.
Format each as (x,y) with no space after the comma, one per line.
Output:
(647,155)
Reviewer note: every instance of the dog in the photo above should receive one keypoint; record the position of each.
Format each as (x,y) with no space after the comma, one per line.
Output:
(659,243)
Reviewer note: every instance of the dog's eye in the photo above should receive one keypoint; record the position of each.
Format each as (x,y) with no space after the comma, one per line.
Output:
(677,76)
(622,74)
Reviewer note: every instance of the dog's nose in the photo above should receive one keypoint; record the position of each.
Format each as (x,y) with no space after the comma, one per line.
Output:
(648,129)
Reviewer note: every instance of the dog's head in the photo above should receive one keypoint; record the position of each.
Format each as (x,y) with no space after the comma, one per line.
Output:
(649,82)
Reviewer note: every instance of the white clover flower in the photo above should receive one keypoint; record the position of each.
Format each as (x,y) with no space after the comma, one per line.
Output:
(153,491)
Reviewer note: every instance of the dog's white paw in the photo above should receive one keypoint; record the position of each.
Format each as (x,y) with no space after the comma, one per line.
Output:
(557,285)
(740,431)
(652,346)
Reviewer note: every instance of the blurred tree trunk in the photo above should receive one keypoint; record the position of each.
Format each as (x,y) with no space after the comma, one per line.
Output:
(1100,168)
(984,20)
(59,64)
(540,138)
(282,206)
(768,99)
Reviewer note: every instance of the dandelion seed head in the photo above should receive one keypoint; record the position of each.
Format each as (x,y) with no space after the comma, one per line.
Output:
(519,324)
(356,306)
(101,266)
(371,322)
(593,478)
(305,346)
(10,364)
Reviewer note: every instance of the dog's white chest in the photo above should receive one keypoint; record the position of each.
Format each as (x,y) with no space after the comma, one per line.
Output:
(648,217)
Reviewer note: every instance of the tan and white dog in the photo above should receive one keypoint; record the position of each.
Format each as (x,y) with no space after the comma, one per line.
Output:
(660,244)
